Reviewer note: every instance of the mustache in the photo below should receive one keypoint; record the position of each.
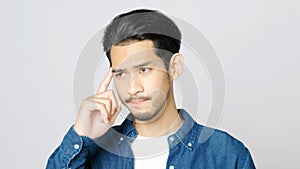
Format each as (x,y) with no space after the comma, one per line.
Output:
(130,98)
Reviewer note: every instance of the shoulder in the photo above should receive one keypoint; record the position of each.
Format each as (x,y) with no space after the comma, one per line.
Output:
(219,148)
(222,145)
(219,139)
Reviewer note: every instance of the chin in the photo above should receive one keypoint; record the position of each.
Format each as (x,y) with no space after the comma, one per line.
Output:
(146,116)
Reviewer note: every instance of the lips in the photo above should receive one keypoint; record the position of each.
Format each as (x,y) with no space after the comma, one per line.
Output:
(137,102)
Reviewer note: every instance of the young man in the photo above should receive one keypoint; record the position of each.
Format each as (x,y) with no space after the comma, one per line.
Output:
(143,49)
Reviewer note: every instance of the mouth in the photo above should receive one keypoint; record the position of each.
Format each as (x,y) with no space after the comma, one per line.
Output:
(137,102)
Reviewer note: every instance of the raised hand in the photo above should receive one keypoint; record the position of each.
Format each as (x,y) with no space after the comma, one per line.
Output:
(98,112)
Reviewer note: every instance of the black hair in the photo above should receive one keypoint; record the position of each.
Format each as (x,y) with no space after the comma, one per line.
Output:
(144,24)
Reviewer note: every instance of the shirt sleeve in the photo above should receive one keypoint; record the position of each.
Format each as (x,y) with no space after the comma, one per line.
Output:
(249,164)
(72,153)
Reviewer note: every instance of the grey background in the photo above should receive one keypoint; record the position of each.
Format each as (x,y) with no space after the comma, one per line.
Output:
(256,42)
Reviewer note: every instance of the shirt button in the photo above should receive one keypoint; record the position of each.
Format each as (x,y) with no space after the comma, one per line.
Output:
(171,139)
(190,144)
(76,146)
(171,167)
(122,138)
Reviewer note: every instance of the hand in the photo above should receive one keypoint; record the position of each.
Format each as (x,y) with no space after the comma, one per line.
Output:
(98,112)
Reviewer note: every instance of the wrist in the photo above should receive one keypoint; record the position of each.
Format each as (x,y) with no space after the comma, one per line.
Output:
(78,129)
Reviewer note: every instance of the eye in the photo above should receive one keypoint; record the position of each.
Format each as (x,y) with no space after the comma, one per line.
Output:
(144,70)
(120,74)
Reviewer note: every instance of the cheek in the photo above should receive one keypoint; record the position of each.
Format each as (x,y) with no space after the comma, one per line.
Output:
(121,86)
(158,82)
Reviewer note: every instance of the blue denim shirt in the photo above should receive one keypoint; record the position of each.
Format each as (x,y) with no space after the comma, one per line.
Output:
(193,146)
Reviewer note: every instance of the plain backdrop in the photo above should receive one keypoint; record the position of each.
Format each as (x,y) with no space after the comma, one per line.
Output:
(257,43)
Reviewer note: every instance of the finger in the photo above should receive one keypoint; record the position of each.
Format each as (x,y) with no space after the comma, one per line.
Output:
(98,108)
(110,95)
(114,116)
(106,101)
(106,81)
(114,100)
(103,113)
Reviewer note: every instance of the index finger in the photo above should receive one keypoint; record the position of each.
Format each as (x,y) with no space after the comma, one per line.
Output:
(106,81)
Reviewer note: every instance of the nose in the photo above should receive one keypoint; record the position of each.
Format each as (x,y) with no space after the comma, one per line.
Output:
(135,86)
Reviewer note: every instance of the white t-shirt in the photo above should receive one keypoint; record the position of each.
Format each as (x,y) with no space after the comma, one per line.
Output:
(150,153)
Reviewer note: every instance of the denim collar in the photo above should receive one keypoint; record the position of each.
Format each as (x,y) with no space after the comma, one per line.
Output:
(186,135)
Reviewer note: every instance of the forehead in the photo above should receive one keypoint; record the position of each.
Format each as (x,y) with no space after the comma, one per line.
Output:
(132,53)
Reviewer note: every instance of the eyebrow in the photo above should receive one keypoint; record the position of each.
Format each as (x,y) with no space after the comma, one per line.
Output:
(143,64)
(117,70)
(135,66)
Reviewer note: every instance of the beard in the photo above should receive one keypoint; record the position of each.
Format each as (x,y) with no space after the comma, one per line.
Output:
(156,104)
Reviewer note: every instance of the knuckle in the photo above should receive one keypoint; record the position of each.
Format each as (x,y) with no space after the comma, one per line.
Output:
(86,101)
(91,97)
(105,100)
(109,101)
(101,105)
(110,92)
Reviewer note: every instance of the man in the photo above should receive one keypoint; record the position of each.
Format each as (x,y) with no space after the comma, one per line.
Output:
(143,49)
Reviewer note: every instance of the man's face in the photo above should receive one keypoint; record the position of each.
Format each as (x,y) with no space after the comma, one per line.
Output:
(141,79)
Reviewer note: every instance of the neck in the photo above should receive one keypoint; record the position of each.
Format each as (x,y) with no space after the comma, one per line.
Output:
(168,122)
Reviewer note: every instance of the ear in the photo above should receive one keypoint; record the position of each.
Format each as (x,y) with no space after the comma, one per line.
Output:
(176,66)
